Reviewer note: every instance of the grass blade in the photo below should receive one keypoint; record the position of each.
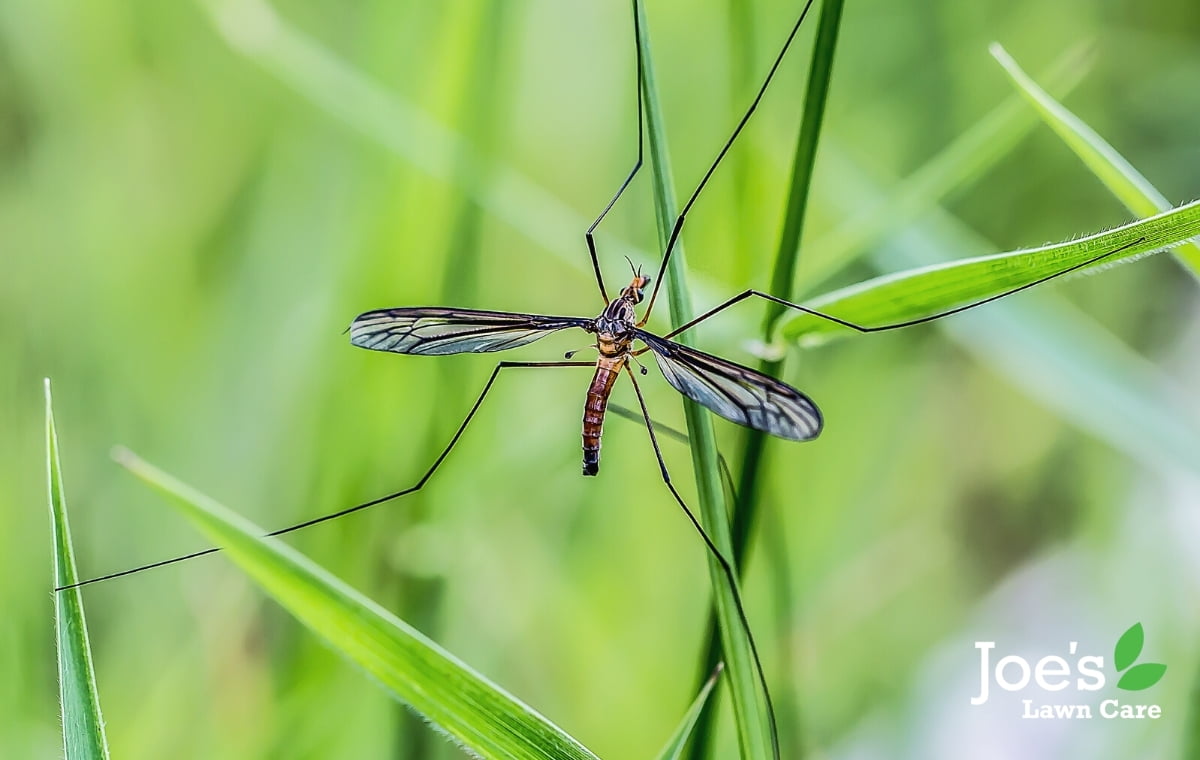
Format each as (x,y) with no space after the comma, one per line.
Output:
(782,278)
(677,743)
(82,723)
(784,271)
(475,713)
(1191,736)
(931,289)
(751,711)
(1109,166)
(788,253)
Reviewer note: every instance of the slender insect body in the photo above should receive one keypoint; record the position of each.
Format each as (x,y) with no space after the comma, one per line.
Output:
(614,330)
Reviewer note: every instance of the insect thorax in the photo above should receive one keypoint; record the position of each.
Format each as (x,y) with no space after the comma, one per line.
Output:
(614,327)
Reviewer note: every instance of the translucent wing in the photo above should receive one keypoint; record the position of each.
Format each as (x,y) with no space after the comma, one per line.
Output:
(737,393)
(433,331)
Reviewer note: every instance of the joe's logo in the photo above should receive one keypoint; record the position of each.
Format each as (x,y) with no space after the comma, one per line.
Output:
(1086,673)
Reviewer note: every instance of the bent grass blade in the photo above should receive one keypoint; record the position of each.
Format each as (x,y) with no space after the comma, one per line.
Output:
(472,711)
(930,289)
(783,277)
(1124,181)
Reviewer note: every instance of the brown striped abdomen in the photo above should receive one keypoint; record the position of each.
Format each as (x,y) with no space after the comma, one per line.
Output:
(607,369)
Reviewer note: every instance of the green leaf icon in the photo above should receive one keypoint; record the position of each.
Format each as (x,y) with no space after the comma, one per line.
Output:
(1142,677)
(1129,646)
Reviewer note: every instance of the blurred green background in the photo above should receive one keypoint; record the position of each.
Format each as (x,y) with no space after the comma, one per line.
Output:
(196,198)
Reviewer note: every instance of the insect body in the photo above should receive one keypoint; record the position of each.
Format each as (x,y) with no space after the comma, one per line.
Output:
(614,340)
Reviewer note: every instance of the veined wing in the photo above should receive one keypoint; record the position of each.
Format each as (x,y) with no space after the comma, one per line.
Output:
(435,331)
(737,393)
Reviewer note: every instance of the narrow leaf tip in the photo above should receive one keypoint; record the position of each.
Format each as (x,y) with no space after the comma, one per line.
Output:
(123,456)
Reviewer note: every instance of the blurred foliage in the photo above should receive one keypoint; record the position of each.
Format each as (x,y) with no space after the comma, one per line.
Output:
(189,217)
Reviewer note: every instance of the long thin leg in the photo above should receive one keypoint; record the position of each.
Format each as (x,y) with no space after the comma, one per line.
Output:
(726,565)
(637,91)
(411,489)
(907,323)
(678,226)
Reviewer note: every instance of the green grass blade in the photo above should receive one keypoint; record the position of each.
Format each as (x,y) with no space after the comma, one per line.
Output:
(476,714)
(783,276)
(929,290)
(1191,735)
(751,713)
(1109,166)
(783,273)
(679,740)
(82,723)
(788,252)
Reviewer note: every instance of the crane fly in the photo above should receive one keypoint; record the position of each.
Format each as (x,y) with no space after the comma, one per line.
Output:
(735,392)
